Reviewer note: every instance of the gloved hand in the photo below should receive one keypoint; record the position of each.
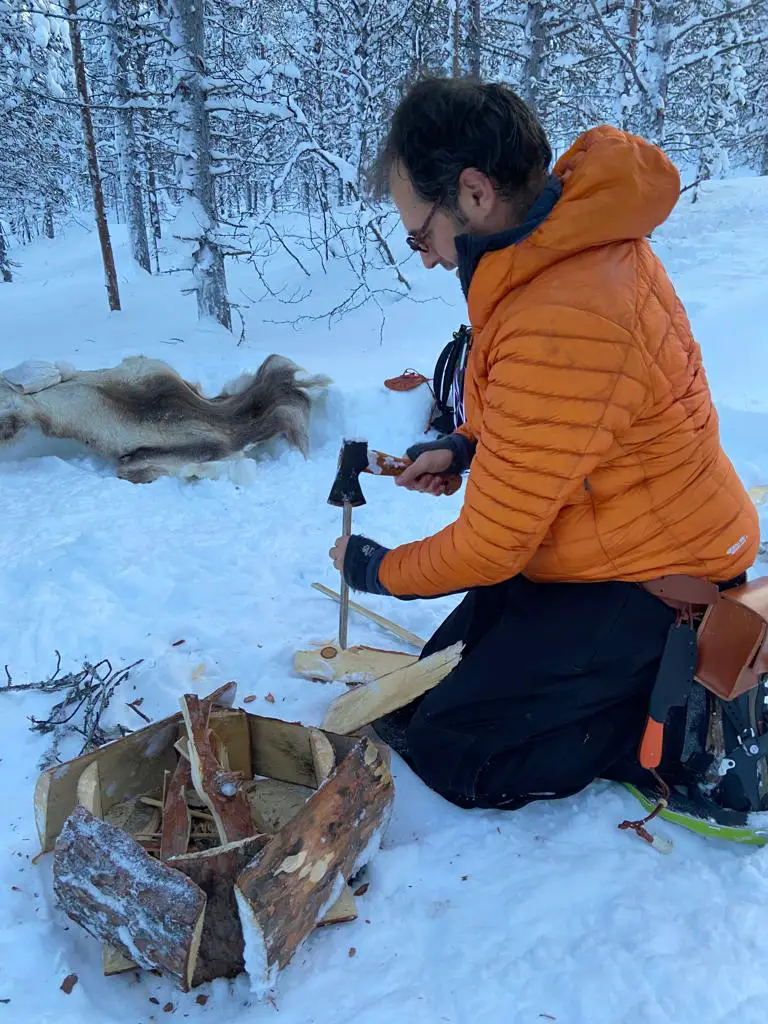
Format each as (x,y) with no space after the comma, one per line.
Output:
(359,558)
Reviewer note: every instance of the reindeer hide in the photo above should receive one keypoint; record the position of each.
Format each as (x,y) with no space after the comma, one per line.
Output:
(147,420)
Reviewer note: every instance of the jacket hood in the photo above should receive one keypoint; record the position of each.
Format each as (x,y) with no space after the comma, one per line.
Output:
(616,187)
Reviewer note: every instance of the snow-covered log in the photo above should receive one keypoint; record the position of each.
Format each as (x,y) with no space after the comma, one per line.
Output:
(110,886)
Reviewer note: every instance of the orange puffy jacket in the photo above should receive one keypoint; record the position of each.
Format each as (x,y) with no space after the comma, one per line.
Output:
(598,452)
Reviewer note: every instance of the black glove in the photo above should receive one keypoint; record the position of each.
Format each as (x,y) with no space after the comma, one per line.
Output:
(461,448)
(361,565)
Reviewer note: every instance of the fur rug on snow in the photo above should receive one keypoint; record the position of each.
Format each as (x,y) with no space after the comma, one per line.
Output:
(150,422)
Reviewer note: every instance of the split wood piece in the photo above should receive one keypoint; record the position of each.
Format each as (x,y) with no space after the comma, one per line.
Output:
(113,961)
(343,910)
(364,704)
(273,804)
(392,627)
(214,871)
(329,663)
(194,811)
(322,755)
(128,767)
(177,821)
(288,888)
(222,697)
(281,750)
(89,790)
(222,791)
(231,728)
(136,817)
(110,886)
(218,748)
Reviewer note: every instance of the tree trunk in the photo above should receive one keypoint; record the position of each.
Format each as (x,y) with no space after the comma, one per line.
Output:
(659,66)
(119,56)
(48,220)
(194,159)
(764,164)
(149,163)
(534,43)
(78,63)
(456,38)
(5,263)
(474,38)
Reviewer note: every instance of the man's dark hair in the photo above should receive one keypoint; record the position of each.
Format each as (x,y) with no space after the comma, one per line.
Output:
(444,125)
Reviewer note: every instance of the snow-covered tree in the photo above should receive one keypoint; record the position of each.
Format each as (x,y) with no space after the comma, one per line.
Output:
(123,26)
(196,223)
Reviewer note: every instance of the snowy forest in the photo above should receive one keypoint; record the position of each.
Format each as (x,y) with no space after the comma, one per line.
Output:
(210,123)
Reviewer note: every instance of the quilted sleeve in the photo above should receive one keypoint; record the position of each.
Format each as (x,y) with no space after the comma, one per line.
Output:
(558,394)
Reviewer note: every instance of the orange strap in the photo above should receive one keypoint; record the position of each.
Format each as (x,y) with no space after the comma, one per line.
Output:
(652,744)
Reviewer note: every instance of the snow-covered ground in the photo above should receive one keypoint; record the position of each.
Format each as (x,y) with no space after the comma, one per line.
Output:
(549,913)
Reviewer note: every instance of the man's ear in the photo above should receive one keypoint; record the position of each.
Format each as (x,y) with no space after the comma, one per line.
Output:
(477,192)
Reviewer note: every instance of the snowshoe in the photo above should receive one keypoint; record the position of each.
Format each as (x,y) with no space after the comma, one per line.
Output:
(722,789)
(702,816)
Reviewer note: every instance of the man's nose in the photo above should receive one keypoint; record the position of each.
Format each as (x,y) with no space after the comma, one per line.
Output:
(430,259)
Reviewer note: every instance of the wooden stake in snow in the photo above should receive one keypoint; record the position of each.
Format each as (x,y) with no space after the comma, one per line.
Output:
(106,882)
(364,704)
(301,873)
(220,790)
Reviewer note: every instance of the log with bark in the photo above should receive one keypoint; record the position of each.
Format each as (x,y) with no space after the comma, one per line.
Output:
(109,885)
(221,790)
(177,820)
(302,872)
(221,944)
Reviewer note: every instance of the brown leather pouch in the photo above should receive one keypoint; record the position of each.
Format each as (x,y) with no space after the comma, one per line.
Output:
(733,640)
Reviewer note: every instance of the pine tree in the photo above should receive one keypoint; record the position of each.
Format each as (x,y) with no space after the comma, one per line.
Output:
(195,178)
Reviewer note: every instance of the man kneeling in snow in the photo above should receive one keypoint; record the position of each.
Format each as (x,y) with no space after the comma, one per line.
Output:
(594,448)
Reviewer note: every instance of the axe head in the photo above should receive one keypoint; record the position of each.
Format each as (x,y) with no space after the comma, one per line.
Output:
(353,460)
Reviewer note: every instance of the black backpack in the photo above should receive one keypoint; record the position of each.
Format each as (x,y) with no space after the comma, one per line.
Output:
(448,383)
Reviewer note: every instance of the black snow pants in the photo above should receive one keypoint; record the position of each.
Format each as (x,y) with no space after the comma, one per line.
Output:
(552,692)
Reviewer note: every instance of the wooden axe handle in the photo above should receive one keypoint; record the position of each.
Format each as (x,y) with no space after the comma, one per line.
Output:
(381,464)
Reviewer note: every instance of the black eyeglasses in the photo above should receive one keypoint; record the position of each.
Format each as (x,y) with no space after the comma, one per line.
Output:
(416,239)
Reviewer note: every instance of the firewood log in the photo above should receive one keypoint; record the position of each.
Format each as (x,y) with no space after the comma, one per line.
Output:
(221,790)
(110,886)
(301,873)
(365,703)
(214,871)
